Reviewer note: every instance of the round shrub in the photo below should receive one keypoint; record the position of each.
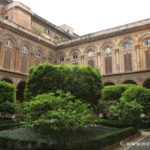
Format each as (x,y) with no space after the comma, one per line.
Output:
(128,112)
(57,114)
(82,81)
(114,92)
(140,95)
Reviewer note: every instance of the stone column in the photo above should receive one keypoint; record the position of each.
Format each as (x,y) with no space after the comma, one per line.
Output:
(137,47)
(117,60)
(17,59)
(99,60)
(1,55)
(82,59)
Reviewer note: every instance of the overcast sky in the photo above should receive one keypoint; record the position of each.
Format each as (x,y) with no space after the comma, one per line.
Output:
(87,16)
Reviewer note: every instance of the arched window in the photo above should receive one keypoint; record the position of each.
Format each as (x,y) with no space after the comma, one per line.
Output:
(127,62)
(108,64)
(90,54)
(61,58)
(24,50)
(108,50)
(49,58)
(8,43)
(38,54)
(127,45)
(147,42)
(75,55)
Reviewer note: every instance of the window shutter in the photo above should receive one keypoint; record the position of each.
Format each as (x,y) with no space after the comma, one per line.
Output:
(91,63)
(7,60)
(127,62)
(108,65)
(23,64)
(147,57)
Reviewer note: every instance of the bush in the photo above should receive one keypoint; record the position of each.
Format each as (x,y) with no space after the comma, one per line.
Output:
(23,139)
(114,92)
(140,95)
(82,81)
(57,115)
(127,112)
(7,98)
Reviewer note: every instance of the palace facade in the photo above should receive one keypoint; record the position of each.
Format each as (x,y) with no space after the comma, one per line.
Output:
(122,54)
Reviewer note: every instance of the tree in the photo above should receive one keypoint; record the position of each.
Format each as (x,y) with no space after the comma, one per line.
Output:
(7,98)
(83,82)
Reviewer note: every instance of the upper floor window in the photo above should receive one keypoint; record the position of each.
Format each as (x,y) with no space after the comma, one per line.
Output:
(147,42)
(8,43)
(108,50)
(75,55)
(127,45)
(38,53)
(90,54)
(47,31)
(24,50)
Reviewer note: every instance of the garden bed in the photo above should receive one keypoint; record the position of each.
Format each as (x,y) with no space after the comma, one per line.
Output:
(92,139)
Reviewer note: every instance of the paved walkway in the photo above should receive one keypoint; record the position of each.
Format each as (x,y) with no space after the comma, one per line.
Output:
(141,142)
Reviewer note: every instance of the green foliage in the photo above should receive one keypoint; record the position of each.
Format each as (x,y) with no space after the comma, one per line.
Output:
(140,95)
(127,112)
(57,114)
(104,107)
(7,98)
(114,92)
(82,81)
(97,138)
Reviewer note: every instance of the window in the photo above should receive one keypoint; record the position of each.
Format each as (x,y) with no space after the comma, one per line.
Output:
(61,58)
(6,17)
(49,58)
(108,50)
(127,62)
(147,42)
(108,65)
(90,54)
(74,55)
(127,45)
(38,53)
(47,31)
(24,50)
(8,43)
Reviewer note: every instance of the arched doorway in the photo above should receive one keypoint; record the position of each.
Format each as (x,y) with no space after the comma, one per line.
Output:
(20,91)
(146,83)
(7,80)
(129,82)
(108,83)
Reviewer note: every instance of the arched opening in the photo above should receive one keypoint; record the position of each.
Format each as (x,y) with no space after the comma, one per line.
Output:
(146,83)
(108,83)
(129,82)
(7,80)
(20,91)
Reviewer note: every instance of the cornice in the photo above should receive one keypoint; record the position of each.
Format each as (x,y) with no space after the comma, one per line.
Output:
(120,30)
(126,73)
(25,33)
(54,27)
(125,29)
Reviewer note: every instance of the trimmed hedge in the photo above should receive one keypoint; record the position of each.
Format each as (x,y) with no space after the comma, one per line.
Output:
(113,123)
(91,143)
(7,98)
(114,92)
(7,92)
(83,82)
